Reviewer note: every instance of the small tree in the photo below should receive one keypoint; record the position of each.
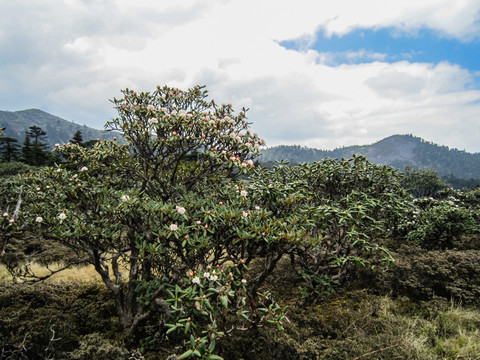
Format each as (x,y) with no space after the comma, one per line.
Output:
(35,147)
(77,138)
(422,182)
(9,149)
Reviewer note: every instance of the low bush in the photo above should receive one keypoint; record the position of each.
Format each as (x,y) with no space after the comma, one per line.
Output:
(48,321)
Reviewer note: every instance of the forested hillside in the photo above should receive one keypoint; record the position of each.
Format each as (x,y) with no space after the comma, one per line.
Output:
(58,130)
(397,151)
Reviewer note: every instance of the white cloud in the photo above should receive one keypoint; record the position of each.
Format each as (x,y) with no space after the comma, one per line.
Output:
(70,57)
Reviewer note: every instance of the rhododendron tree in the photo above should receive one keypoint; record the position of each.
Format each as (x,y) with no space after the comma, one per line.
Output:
(148,212)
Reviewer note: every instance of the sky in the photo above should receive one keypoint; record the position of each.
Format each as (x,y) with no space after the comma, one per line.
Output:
(321,74)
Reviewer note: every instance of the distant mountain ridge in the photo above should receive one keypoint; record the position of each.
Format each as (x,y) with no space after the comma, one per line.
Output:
(58,130)
(396,150)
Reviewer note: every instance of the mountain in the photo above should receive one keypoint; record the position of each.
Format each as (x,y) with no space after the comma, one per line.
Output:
(397,151)
(58,130)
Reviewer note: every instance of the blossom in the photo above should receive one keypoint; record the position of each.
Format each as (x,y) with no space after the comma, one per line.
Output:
(153,121)
(250,162)
(151,107)
(206,274)
(125,198)
(196,280)
(243,193)
(244,281)
(214,278)
(5,214)
(173,227)
(38,219)
(257,207)
(84,168)
(198,222)
(244,214)
(62,216)
(181,210)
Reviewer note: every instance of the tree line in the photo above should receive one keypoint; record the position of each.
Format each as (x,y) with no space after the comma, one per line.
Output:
(35,149)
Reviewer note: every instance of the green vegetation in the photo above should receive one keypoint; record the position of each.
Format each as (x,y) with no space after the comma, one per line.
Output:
(200,253)
(59,130)
(459,168)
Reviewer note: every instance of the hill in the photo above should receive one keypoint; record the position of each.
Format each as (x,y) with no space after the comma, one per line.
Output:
(58,130)
(397,151)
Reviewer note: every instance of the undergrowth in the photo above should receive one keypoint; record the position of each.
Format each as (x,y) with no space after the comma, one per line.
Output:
(68,318)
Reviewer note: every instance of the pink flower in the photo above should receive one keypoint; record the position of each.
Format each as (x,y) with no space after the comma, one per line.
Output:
(181,210)
(199,222)
(244,214)
(173,227)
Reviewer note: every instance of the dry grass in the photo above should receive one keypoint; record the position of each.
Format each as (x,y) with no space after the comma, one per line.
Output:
(79,273)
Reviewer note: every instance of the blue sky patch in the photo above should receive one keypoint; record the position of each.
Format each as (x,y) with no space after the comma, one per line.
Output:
(390,45)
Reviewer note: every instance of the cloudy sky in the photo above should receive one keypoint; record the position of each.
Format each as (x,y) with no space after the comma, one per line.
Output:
(320,73)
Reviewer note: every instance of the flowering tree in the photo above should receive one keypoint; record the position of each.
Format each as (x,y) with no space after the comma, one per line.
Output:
(153,212)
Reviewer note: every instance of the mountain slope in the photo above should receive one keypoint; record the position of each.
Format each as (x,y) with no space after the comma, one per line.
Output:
(58,130)
(397,151)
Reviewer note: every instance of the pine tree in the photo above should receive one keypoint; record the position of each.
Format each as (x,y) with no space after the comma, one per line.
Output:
(9,149)
(35,147)
(77,138)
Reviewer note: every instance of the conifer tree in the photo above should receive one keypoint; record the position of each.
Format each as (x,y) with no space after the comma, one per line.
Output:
(9,149)
(34,151)
(77,138)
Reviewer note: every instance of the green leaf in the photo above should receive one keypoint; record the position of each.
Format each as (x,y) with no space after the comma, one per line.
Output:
(172,329)
(224,301)
(213,357)
(186,354)
(211,347)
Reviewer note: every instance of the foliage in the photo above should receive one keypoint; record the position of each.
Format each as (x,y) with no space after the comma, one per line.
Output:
(439,224)
(9,149)
(422,182)
(77,138)
(13,168)
(344,208)
(35,147)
